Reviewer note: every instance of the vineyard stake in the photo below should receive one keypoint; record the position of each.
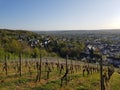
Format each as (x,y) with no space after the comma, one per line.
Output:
(101,77)
(40,67)
(6,65)
(20,62)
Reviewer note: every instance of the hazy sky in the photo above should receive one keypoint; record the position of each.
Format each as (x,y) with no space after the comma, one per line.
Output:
(60,14)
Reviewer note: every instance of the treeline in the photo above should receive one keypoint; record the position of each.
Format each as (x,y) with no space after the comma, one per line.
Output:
(14,42)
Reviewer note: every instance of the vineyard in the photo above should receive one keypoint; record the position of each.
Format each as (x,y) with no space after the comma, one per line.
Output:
(63,61)
(52,74)
(59,45)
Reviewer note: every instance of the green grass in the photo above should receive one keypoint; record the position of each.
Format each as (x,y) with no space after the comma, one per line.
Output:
(76,81)
(115,82)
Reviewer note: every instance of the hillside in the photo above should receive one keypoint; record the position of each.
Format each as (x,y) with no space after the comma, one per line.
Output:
(32,44)
(75,80)
(63,60)
(14,42)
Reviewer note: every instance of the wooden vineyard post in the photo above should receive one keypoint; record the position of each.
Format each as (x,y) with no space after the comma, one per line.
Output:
(65,75)
(66,68)
(76,64)
(66,62)
(48,72)
(40,67)
(101,75)
(37,66)
(48,69)
(5,66)
(20,64)
(46,64)
(58,65)
(71,67)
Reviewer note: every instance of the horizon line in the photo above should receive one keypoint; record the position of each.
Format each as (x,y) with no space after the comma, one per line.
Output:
(62,29)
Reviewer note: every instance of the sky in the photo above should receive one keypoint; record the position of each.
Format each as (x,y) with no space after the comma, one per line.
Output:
(60,14)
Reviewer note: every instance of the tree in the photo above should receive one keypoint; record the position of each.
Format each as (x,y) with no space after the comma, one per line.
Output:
(36,52)
(12,46)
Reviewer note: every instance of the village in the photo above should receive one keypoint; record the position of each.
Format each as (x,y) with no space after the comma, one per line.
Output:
(106,43)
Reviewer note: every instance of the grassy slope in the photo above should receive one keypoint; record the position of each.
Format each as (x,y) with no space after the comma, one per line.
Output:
(82,83)
(77,81)
(115,82)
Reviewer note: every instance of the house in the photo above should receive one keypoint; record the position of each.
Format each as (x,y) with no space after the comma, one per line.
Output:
(114,61)
(33,42)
